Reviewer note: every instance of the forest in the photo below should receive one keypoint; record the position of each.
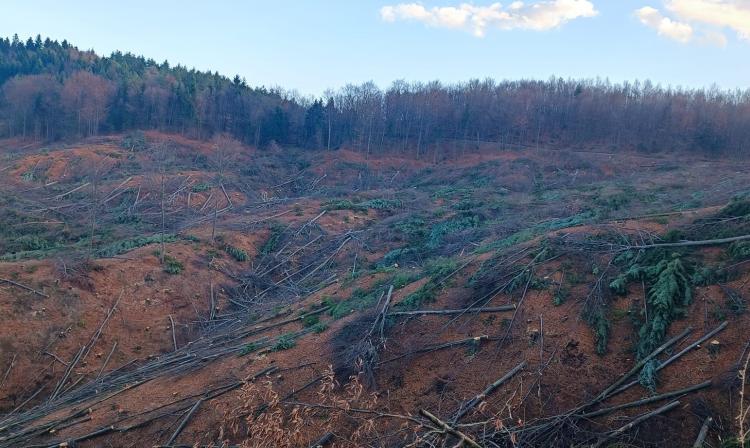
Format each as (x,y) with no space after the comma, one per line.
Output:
(52,91)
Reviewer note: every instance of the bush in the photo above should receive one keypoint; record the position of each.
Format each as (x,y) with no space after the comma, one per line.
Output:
(31,243)
(125,246)
(402,279)
(318,328)
(413,229)
(375,204)
(359,300)
(597,319)
(440,230)
(134,141)
(383,204)
(277,231)
(284,342)
(343,204)
(425,294)
(201,187)
(740,250)
(236,253)
(311,321)
(247,349)
(539,229)
(708,275)
(739,206)
(438,270)
(615,201)
(172,266)
(561,296)
(395,255)
(668,294)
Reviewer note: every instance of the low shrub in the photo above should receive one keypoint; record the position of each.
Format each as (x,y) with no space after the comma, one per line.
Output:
(284,342)
(201,187)
(236,253)
(172,266)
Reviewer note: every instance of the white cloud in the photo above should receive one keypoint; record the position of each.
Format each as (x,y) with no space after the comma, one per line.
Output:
(714,38)
(651,17)
(732,14)
(538,16)
(709,19)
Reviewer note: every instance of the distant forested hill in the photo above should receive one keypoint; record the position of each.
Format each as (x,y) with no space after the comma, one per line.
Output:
(51,90)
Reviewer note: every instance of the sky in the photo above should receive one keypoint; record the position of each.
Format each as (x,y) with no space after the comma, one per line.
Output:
(313,45)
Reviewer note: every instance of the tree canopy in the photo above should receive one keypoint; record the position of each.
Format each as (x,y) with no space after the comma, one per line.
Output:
(51,90)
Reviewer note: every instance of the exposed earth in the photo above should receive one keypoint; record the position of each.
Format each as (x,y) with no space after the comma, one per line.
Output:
(190,293)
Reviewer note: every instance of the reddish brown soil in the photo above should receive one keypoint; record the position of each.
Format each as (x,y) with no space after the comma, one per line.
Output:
(563,367)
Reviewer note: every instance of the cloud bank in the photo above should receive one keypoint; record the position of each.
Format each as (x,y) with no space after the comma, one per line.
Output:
(537,16)
(651,17)
(711,17)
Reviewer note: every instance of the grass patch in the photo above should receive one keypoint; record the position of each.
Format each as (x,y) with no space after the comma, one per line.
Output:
(128,245)
(438,270)
(539,229)
(402,279)
(343,204)
(359,300)
(374,204)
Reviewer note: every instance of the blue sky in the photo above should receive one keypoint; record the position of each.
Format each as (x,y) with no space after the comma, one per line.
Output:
(313,45)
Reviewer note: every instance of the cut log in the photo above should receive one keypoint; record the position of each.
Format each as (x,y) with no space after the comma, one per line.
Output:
(497,309)
(703,433)
(635,422)
(469,405)
(463,438)
(648,400)
(184,422)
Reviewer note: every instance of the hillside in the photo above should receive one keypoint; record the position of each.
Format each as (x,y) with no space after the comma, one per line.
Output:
(162,291)
(52,91)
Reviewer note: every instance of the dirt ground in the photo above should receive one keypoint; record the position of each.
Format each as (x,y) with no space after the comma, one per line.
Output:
(304,249)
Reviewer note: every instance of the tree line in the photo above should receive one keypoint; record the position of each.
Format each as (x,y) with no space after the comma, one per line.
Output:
(51,90)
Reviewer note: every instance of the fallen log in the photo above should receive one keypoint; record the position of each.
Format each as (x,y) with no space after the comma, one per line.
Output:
(174,336)
(72,442)
(106,361)
(471,404)
(703,433)
(67,373)
(678,355)
(184,422)
(323,441)
(463,438)
(433,348)
(713,242)
(10,367)
(497,309)
(62,195)
(647,400)
(635,422)
(609,391)
(27,288)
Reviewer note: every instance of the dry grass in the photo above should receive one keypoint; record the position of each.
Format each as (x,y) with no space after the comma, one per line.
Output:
(266,419)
